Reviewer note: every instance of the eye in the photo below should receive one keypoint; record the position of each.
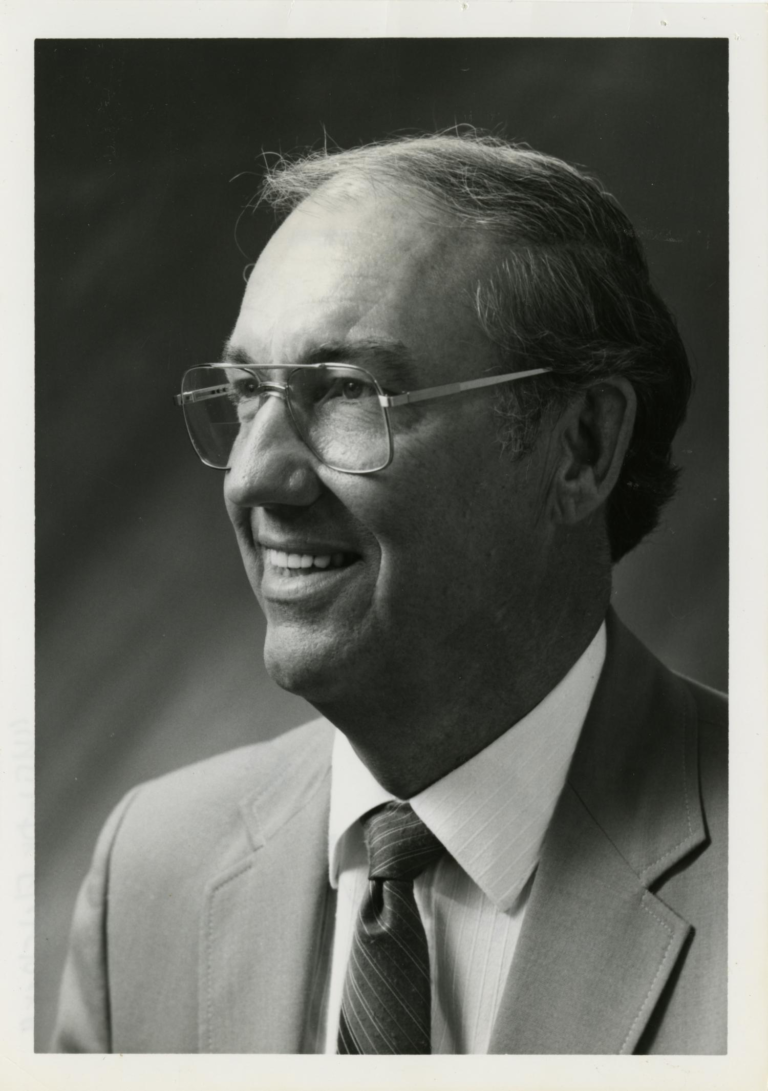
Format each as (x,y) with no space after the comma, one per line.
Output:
(352,389)
(243,389)
(331,388)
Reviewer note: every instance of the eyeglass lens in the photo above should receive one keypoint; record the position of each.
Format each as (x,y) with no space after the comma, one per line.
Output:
(335,409)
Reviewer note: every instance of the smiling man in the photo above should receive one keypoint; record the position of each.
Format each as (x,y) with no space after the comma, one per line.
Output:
(445,410)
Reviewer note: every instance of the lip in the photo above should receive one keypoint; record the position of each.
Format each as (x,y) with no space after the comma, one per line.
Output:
(304,585)
(294,545)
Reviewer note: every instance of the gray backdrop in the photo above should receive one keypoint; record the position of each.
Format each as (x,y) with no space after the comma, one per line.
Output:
(149,641)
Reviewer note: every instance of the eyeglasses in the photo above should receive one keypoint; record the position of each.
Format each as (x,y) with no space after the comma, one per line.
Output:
(338,410)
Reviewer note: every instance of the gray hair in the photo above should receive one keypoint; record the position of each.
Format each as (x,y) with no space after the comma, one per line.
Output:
(567,288)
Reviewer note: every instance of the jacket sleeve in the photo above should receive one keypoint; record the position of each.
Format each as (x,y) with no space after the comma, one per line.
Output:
(83,1018)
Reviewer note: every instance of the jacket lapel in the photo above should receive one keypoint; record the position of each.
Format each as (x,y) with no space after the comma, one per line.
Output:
(265,914)
(597,946)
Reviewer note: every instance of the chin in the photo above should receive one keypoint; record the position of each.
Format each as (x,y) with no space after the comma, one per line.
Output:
(302,666)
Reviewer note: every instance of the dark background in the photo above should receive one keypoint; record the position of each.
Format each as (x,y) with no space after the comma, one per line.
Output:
(148,639)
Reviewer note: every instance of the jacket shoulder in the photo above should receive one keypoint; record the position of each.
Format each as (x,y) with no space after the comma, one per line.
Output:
(191,813)
(241,769)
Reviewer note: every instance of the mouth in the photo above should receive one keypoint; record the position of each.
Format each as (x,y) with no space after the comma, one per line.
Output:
(312,577)
(297,565)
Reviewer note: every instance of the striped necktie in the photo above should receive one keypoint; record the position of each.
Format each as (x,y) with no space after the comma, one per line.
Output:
(385,1006)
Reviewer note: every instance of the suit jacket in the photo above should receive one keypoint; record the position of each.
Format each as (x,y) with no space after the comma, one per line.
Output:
(198,928)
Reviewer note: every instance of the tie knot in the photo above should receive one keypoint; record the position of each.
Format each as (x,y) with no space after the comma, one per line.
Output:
(399,845)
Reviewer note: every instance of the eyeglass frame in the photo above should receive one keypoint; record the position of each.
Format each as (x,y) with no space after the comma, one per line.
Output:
(386,401)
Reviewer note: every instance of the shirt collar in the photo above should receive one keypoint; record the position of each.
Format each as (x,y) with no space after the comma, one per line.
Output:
(491,813)
(354,792)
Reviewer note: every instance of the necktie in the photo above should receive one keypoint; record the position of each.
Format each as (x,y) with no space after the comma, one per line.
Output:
(385,1005)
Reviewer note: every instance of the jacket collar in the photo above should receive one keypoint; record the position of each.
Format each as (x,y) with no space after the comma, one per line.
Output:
(293,769)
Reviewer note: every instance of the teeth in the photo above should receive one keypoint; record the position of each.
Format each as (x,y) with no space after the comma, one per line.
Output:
(279,559)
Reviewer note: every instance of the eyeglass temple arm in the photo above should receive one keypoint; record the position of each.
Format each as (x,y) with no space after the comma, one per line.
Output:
(430,392)
(387,400)
(201,395)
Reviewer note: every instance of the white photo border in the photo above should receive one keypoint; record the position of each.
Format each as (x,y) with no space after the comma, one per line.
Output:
(745,26)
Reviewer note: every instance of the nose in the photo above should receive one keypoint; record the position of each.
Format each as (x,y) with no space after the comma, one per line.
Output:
(270,464)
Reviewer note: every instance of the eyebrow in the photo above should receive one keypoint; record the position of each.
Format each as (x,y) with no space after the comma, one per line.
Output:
(389,358)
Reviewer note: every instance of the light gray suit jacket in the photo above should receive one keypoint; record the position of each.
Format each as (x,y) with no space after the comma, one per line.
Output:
(198,927)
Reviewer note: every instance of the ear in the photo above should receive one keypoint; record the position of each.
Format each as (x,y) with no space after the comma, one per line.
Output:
(594,434)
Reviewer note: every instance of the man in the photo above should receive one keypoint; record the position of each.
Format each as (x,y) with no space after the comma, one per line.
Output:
(445,410)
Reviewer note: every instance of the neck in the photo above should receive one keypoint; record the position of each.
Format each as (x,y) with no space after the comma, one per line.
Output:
(435,719)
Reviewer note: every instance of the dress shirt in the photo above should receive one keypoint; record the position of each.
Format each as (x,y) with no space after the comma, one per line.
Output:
(491,815)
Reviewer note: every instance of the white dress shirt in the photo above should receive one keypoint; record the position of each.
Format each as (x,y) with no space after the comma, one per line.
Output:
(491,815)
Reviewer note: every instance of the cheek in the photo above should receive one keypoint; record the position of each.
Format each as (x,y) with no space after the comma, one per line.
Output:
(428,525)
(449,503)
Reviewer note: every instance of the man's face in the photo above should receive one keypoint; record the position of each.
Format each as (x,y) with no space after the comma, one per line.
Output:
(445,552)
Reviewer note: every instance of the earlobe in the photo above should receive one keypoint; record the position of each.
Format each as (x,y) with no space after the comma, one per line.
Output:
(594,434)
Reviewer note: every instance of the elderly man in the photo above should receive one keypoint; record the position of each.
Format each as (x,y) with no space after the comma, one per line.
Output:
(445,410)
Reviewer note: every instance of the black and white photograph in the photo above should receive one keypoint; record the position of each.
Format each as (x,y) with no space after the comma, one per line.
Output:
(382,546)
(471,392)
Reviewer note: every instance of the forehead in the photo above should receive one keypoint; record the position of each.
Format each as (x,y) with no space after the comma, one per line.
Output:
(353,233)
(368,267)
